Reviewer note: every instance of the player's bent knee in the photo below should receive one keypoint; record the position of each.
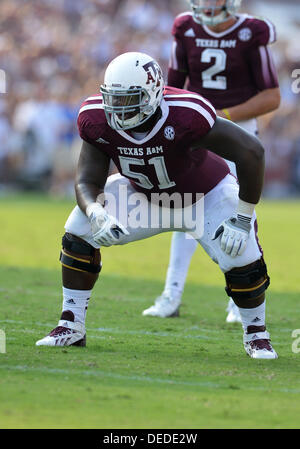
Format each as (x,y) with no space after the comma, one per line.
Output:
(78,255)
(247,285)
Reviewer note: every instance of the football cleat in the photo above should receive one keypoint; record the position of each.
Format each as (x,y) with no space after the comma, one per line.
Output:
(165,307)
(233,313)
(66,333)
(257,345)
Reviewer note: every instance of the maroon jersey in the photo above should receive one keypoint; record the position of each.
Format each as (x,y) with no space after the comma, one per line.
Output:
(228,68)
(163,160)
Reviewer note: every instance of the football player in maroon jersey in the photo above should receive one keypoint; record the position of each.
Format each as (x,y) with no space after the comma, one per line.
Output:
(151,133)
(225,57)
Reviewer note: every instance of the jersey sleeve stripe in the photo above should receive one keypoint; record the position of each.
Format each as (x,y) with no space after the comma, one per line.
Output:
(89,107)
(197,97)
(272,31)
(196,107)
(97,97)
(173,60)
(265,66)
(186,13)
(272,66)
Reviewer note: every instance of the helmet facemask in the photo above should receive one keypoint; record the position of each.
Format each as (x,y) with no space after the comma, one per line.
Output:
(126,109)
(213,12)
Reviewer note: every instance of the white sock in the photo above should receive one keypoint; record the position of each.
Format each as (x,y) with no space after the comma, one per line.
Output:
(77,302)
(253,317)
(182,249)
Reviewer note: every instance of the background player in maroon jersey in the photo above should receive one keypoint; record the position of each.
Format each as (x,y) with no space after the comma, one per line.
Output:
(225,57)
(150,132)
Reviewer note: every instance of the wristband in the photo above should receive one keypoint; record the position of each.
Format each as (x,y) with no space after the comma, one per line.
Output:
(245,211)
(227,113)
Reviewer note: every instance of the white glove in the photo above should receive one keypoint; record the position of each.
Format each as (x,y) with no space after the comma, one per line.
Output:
(106,229)
(235,233)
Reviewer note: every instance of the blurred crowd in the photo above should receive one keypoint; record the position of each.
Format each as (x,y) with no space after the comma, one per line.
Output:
(54,53)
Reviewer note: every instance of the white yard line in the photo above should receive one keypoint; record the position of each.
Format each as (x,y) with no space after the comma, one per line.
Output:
(147,379)
(236,333)
(121,331)
(99,373)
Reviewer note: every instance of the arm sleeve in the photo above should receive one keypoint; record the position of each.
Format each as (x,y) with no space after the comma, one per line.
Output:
(265,32)
(261,60)
(263,68)
(178,67)
(178,59)
(176,78)
(86,130)
(200,120)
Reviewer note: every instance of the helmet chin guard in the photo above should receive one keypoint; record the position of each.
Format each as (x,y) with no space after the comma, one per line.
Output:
(229,7)
(132,90)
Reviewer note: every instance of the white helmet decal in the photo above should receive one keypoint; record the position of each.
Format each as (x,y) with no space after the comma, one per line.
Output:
(157,75)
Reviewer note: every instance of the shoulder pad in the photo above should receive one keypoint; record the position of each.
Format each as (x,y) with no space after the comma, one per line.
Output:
(263,29)
(91,119)
(181,23)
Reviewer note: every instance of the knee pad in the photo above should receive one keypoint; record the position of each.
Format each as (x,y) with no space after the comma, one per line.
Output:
(79,255)
(248,282)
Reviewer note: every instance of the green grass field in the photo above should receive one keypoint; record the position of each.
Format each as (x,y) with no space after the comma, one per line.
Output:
(141,372)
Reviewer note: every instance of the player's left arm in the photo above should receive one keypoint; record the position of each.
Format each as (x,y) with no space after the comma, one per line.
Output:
(231,142)
(264,75)
(265,101)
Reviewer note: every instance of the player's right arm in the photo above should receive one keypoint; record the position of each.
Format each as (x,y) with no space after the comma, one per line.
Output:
(177,71)
(178,65)
(92,172)
(91,176)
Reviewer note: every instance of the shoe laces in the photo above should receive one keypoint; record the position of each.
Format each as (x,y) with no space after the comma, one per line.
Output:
(261,344)
(60,330)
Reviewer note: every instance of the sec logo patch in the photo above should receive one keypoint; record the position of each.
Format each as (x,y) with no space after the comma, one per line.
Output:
(245,34)
(169,132)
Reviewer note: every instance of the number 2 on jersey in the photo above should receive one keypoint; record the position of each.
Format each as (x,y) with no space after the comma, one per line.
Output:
(220,56)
